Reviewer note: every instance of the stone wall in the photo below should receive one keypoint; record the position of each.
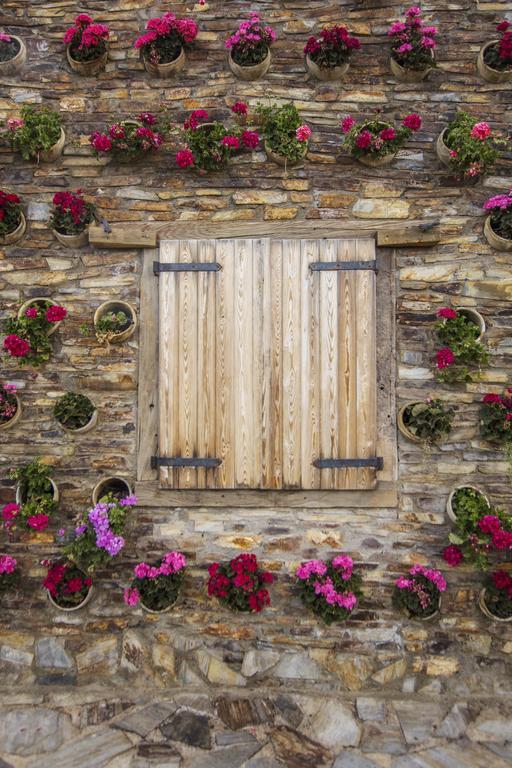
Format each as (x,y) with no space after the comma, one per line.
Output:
(461,654)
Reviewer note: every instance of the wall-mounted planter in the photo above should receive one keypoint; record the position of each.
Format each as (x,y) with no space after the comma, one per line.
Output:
(407,75)
(20,497)
(162,610)
(474,317)
(250,73)
(17,416)
(68,413)
(56,151)
(13,237)
(118,486)
(118,306)
(485,610)
(377,162)
(87,68)
(38,301)
(487,72)
(401,423)
(495,240)
(72,241)
(327,74)
(170,69)
(11,66)
(450,512)
(281,160)
(71,609)
(442,151)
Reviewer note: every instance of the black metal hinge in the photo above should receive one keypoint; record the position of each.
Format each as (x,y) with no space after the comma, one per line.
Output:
(376,462)
(185,266)
(180,461)
(342,266)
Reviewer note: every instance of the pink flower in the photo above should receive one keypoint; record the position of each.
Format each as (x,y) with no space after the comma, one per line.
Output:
(453,555)
(54,313)
(69,35)
(131,596)
(16,346)
(403,583)
(7,564)
(404,48)
(303,133)
(387,134)
(396,28)
(428,42)
(453,153)
(316,567)
(445,357)
(38,522)
(231,141)
(10,511)
(250,139)
(447,313)
(364,140)
(239,108)
(480,131)
(141,570)
(13,123)
(117,131)
(100,142)
(414,10)
(347,123)
(412,121)
(31,312)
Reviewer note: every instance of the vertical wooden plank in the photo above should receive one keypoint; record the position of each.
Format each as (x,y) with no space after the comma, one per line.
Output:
(188,316)
(224,313)
(310,367)
(266,342)
(147,396)
(348,306)
(243,364)
(292,293)
(206,405)
(276,363)
(261,367)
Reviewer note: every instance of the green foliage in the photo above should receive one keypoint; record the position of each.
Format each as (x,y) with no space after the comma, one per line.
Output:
(409,601)
(9,581)
(110,324)
(158,594)
(387,147)
(494,61)
(33,480)
(493,424)
(205,144)
(73,410)
(469,505)
(430,421)
(498,601)
(39,132)
(501,222)
(11,211)
(460,334)
(35,331)
(279,125)
(471,154)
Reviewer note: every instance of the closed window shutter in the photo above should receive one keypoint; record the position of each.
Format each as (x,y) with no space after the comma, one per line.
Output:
(268,364)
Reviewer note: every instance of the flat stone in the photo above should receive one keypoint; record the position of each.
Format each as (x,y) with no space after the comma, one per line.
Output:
(218,671)
(370,709)
(91,751)
(297,666)
(16,656)
(351,758)
(391,672)
(231,757)
(3,764)
(38,211)
(381,208)
(455,723)
(33,730)
(451,756)
(189,728)
(289,710)
(352,670)
(134,652)
(50,654)
(263,759)
(238,712)
(142,721)
(164,657)
(417,729)
(156,755)
(258,661)
(491,725)
(228,738)
(296,750)
(102,654)
(331,722)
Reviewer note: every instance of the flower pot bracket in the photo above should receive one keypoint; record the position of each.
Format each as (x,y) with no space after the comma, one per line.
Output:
(337,266)
(376,462)
(180,461)
(185,266)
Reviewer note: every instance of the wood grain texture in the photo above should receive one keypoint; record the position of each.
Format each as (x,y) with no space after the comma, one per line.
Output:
(147,404)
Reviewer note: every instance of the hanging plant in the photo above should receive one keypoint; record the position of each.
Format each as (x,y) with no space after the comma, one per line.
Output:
(162,46)
(10,406)
(376,142)
(412,47)
(479,531)
(67,586)
(427,422)
(37,499)
(157,587)
(240,583)
(249,54)
(463,349)
(330,589)
(75,412)
(496,597)
(494,61)
(9,573)
(13,53)
(498,225)
(328,54)
(114,322)
(70,218)
(286,137)
(128,140)
(38,133)
(418,594)
(27,335)
(12,219)
(468,147)
(86,45)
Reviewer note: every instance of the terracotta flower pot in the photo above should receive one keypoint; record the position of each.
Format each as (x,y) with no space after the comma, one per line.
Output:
(86,428)
(377,162)
(442,151)
(37,301)
(475,317)
(100,487)
(402,425)
(12,421)
(485,610)
(327,74)
(117,306)
(14,65)
(74,607)
(488,73)
(72,241)
(450,512)
(169,69)
(250,73)
(406,74)
(494,240)
(56,495)
(281,160)
(155,613)
(87,68)
(12,237)
(54,152)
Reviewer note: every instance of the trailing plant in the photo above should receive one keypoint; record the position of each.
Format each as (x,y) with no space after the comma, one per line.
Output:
(37,130)
(27,337)
(36,496)
(430,421)
(110,324)
(157,586)
(498,594)
(499,55)
(469,504)
(98,536)
(283,130)
(377,138)
(210,145)
(71,214)
(8,402)
(9,47)
(74,410)
(412,41)
(499,208)
(165,37)
(66,583)
(473,146)
(250,44)
(496,418)
(463,349)
(9,573)
(33,480)
(479,530)
(330,589)
(332,48)
(10,212)
(87,40)
(419,593)
(128,140)
(240,583)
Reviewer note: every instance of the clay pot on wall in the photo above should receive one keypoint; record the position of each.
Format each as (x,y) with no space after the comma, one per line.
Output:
(54,152)
(450,512)
(327,74)
(485,610)
(402,425)
(281,160)
(38,301)
(495,240)
(86,427)
(72,608)
(118,306)
(162,610)
(169,69)
(487,72)
(253,72)
(442,151)
(20,497)
(72,241)
(116,485)
(376,162)
(11,66)
(406,74)
(13,237)
(14,419)
(87,68)
(474,317)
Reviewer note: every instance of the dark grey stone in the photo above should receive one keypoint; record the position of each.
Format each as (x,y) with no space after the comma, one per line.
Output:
(142,721)
(289,710)
(55,678)
(350,758)
(228,738)
(189,728)
(231,757)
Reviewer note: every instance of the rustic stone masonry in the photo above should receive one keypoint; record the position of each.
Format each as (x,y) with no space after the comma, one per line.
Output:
(461,657)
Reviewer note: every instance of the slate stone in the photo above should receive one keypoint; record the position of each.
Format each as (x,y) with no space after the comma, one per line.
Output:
(189,728)
(50,654)
(231,757)
(29,730)
(38,211)
(228,738)
(156,755)
(56,678)
(142,721)
(238,712)
(91,751)
(455,723)
(3,764)
(418,729)
(350,758)
(296,750)
(331,722)
(289,710)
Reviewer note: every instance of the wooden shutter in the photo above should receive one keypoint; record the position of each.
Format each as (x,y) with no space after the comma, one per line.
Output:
(268,365)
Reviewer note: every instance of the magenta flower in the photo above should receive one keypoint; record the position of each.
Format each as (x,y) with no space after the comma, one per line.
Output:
(480,131)
(347,123)
(185,158)
(303,133)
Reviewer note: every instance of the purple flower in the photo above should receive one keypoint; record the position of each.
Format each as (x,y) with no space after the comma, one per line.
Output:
(128,501)
(80,529)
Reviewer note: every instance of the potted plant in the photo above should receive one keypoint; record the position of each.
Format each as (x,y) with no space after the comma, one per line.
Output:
(86,45)
(495,599)
(496,420)
(37,499)
(240,583)
(426,422)
(12,219)
(286,137)
(498,224)
(37,134)
(330,589)
(479,530)
(248,48)
(157,587)
(412,47)
(128,140)
(117,487)
(468,147)
(13,54)
(162,46)
(460,331)
(68,588)
(27,335)
(75,413)
(98,535)
(9,573)
(418,594)
(327,55)
(494,62)
(466,500)
(376,142)
(114,322)
(10,406)
(210,145)
(70,218)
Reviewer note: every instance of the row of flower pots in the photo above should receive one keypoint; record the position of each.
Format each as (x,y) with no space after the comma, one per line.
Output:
(162,49)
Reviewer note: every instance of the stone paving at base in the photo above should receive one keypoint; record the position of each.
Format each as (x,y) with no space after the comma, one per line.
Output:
(93,728)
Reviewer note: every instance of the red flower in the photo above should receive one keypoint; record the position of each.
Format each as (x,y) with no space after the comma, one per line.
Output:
(16,346)
(38,522)
(491,398)
(447,313)
(31,312)
(489,524)
(501,580)
(412,121)
(388,134)
(147,118)
(453,555)
(445,357)
(74,585)
(502,539)
(250,139)
(55,313)
(185,158)
(503,26)
(213,568)
(100,142)
(231,142)
(239,108)
(266,577)
(195,118)
(10,511)
(364,140)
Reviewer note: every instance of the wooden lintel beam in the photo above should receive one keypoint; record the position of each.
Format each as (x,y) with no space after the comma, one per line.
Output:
(408,236)
(123,237)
